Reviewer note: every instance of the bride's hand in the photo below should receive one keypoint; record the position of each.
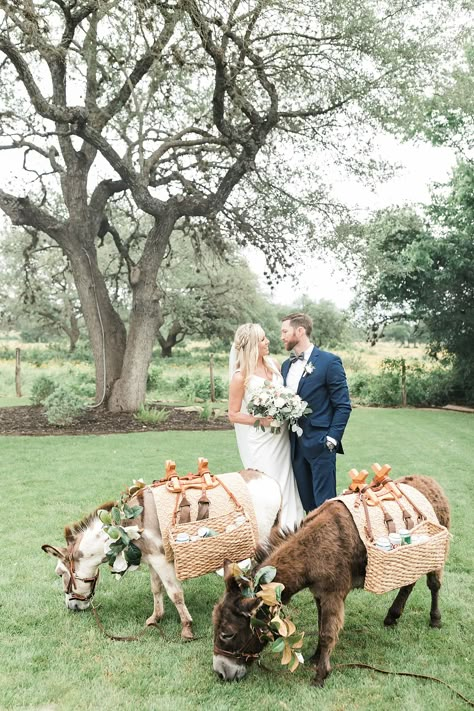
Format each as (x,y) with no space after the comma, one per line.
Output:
(265,421)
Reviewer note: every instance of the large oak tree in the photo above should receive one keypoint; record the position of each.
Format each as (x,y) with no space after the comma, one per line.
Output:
(222,114)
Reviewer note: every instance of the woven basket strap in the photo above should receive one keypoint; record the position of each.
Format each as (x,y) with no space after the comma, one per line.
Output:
(368,527)
(397,495)
(231,495)
(389,522)
(420,514)
(176,506)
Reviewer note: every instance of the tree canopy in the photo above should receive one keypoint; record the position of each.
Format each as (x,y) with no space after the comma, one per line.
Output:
(420,267)
(221,117)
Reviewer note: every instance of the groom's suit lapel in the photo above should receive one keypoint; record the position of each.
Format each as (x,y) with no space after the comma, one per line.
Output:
(285,366)
(312,359)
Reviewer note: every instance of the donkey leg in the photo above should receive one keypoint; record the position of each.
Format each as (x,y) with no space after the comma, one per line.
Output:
(166,572)
(157,590)
(332,619)
(398,605)
(433,580)
(314,659)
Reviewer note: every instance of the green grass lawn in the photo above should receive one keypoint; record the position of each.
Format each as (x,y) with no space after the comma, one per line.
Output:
(54,659)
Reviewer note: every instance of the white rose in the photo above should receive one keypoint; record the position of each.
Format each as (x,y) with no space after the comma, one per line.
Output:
(120,564)
(132,532)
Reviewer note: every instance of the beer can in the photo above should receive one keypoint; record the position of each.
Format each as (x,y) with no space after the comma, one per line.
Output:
(406,536)
(383,543)
(395,539)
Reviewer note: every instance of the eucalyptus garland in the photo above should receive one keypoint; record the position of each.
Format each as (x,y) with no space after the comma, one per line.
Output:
(121,552)
(269,620)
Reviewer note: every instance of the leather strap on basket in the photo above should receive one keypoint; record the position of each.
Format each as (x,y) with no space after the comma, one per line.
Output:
(369,495)
(182,505)
(368,527)
(381,479)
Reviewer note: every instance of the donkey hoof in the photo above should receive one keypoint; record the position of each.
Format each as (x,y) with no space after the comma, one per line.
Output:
(318,681)
(152,621)
(435,623)
(187,634)
(390,621)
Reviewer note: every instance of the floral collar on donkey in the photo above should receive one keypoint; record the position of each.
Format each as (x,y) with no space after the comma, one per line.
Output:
(268,620)
(121,552)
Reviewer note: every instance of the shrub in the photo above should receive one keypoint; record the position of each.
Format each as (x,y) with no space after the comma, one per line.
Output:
(202,387)
(425,388)
(182,382)
(206,412)
(83,384)
(430,388)
(148,415)
(42,388)
(153,379)
(63,406)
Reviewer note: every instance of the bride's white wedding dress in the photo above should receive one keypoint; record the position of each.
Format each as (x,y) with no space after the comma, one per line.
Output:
(271,454)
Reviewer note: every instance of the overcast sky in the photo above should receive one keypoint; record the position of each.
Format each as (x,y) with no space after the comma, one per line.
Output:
(422,165)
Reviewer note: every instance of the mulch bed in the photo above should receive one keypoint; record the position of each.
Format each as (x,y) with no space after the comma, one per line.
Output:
(30,420)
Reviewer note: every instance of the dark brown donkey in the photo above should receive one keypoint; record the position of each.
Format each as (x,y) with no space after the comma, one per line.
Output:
(327,556)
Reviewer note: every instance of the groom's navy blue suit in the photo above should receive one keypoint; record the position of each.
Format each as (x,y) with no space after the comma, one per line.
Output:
(325,390)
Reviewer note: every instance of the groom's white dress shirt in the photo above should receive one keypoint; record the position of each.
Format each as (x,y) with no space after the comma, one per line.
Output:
(297,369)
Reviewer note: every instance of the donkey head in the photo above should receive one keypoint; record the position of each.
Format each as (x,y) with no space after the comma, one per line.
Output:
(236,645)
(78,563)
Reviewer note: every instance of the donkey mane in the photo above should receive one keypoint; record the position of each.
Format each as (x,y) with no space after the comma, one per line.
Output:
(275,539)
(74,529)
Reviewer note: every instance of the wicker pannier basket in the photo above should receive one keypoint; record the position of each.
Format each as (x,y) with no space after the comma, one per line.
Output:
(205,555)
(389,570)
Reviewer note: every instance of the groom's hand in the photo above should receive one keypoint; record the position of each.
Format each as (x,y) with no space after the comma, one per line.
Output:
(331,444)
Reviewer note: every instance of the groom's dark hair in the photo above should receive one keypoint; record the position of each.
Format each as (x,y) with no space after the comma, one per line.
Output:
(303,320)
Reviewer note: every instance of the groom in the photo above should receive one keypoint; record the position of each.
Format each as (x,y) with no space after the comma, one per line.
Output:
(319,378)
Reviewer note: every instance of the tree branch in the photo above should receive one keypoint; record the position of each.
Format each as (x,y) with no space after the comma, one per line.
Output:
(22,211)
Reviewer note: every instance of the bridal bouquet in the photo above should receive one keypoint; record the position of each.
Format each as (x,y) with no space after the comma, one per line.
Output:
(279,403)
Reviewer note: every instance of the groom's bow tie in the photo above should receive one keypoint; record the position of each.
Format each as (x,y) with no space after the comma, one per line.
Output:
(294,357)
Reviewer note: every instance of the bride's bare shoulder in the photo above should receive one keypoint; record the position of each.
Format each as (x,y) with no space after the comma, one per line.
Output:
(237,378)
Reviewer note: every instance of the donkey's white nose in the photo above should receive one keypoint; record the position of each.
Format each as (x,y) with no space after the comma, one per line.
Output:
(228,669)
(77,605)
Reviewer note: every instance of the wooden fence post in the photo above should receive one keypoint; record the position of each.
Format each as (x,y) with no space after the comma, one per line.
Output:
(18,371)
(211,377)
(404,382)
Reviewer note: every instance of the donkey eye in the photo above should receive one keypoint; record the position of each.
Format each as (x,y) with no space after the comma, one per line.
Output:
(227,636)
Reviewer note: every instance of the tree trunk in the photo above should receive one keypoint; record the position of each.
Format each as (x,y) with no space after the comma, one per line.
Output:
(106,330)
(167,350)
(129,391)
(175,335)
(74,333)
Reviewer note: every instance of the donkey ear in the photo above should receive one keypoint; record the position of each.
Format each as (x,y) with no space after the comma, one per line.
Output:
(230,580)
(53,551)
(249,604)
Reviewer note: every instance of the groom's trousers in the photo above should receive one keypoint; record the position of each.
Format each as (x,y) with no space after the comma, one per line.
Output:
(315,474)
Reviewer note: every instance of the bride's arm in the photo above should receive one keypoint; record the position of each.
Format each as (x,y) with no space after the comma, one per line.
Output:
(236,395)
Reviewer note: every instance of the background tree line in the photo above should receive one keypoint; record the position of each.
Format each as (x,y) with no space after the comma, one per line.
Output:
(219,120)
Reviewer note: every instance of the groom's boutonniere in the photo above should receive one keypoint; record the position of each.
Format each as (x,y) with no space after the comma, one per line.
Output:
(308,369)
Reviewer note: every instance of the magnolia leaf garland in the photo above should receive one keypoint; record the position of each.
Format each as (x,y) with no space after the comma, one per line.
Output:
(121,552)
(268,619)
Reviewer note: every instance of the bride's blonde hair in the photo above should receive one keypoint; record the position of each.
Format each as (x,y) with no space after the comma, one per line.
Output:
(246,340)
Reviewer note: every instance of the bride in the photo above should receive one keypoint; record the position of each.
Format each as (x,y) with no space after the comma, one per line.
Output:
(249,366)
